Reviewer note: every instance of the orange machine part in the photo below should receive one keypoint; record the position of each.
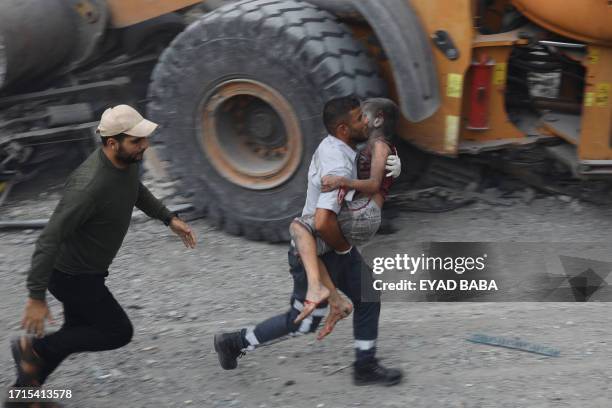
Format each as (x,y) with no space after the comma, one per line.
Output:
(125,13)
(596,135)
(440,133)
(584,20)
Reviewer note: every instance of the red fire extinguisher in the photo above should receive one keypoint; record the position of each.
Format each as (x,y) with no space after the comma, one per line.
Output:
(480,93)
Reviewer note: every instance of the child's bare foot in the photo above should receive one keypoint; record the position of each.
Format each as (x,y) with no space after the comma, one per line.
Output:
(315,295)
(339,308)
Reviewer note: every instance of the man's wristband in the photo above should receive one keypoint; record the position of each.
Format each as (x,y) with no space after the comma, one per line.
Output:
(169,218)
(348,251)
(38,295)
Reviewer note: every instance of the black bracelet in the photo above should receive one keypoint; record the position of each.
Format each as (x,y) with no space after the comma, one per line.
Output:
(168,220)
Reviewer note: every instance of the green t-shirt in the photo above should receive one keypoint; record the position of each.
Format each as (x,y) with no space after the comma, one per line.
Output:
(89,224)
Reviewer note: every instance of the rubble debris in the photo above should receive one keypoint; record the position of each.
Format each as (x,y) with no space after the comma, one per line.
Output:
(442,199)
(514,343)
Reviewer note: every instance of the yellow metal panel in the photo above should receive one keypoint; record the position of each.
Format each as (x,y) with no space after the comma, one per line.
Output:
(454,87)
(129,12)
(594,55)
(602,95)
(501,73)
(451,138)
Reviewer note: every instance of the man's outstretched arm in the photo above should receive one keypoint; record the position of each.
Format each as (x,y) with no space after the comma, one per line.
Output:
(154,208)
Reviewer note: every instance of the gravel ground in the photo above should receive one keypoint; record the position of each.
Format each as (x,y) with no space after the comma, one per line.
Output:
(177,299)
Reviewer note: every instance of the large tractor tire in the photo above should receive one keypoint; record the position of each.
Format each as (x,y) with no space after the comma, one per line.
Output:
(239,96)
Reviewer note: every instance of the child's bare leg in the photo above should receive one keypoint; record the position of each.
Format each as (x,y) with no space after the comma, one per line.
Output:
(339,306)
(306,246)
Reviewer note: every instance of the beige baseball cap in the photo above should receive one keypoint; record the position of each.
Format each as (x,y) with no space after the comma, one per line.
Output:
(125,119)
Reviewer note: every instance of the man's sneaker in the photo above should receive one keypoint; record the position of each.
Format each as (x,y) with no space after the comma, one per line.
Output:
(28,364)
(229,348)
(371,372)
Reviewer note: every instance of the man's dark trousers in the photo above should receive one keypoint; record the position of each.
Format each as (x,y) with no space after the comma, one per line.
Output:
(93,320)
(353,277)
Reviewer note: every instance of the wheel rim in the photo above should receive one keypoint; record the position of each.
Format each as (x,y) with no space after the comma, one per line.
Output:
(250,134)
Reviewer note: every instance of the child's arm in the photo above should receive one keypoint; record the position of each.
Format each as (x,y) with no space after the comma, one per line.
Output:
(369,186)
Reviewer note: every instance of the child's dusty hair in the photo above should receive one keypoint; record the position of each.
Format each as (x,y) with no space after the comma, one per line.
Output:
(373,106)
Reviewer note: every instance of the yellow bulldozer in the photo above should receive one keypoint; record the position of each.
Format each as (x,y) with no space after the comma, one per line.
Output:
(238,86)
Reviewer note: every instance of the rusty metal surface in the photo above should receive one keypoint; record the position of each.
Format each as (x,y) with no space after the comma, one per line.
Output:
(235,141)
(126,13)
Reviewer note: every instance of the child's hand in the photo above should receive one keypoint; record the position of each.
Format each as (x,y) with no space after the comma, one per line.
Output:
(331,183)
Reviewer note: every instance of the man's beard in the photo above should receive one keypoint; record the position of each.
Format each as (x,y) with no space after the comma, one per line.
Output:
(126,158)
(358,136)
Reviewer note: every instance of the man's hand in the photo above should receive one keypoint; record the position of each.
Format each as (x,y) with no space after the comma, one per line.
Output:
(326,224)
(184,231)
(394,166)
(36,311)
(331,183)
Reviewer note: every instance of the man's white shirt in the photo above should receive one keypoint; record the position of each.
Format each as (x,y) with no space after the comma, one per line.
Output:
(333,157)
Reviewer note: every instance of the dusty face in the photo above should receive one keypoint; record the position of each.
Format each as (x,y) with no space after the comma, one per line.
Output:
(369,115)
(131,149)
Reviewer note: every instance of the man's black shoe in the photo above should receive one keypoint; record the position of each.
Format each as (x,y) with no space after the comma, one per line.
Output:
(371,372)
(229,348)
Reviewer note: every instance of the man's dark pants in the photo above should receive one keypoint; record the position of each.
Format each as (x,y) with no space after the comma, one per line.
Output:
(353,277)
(93,320)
